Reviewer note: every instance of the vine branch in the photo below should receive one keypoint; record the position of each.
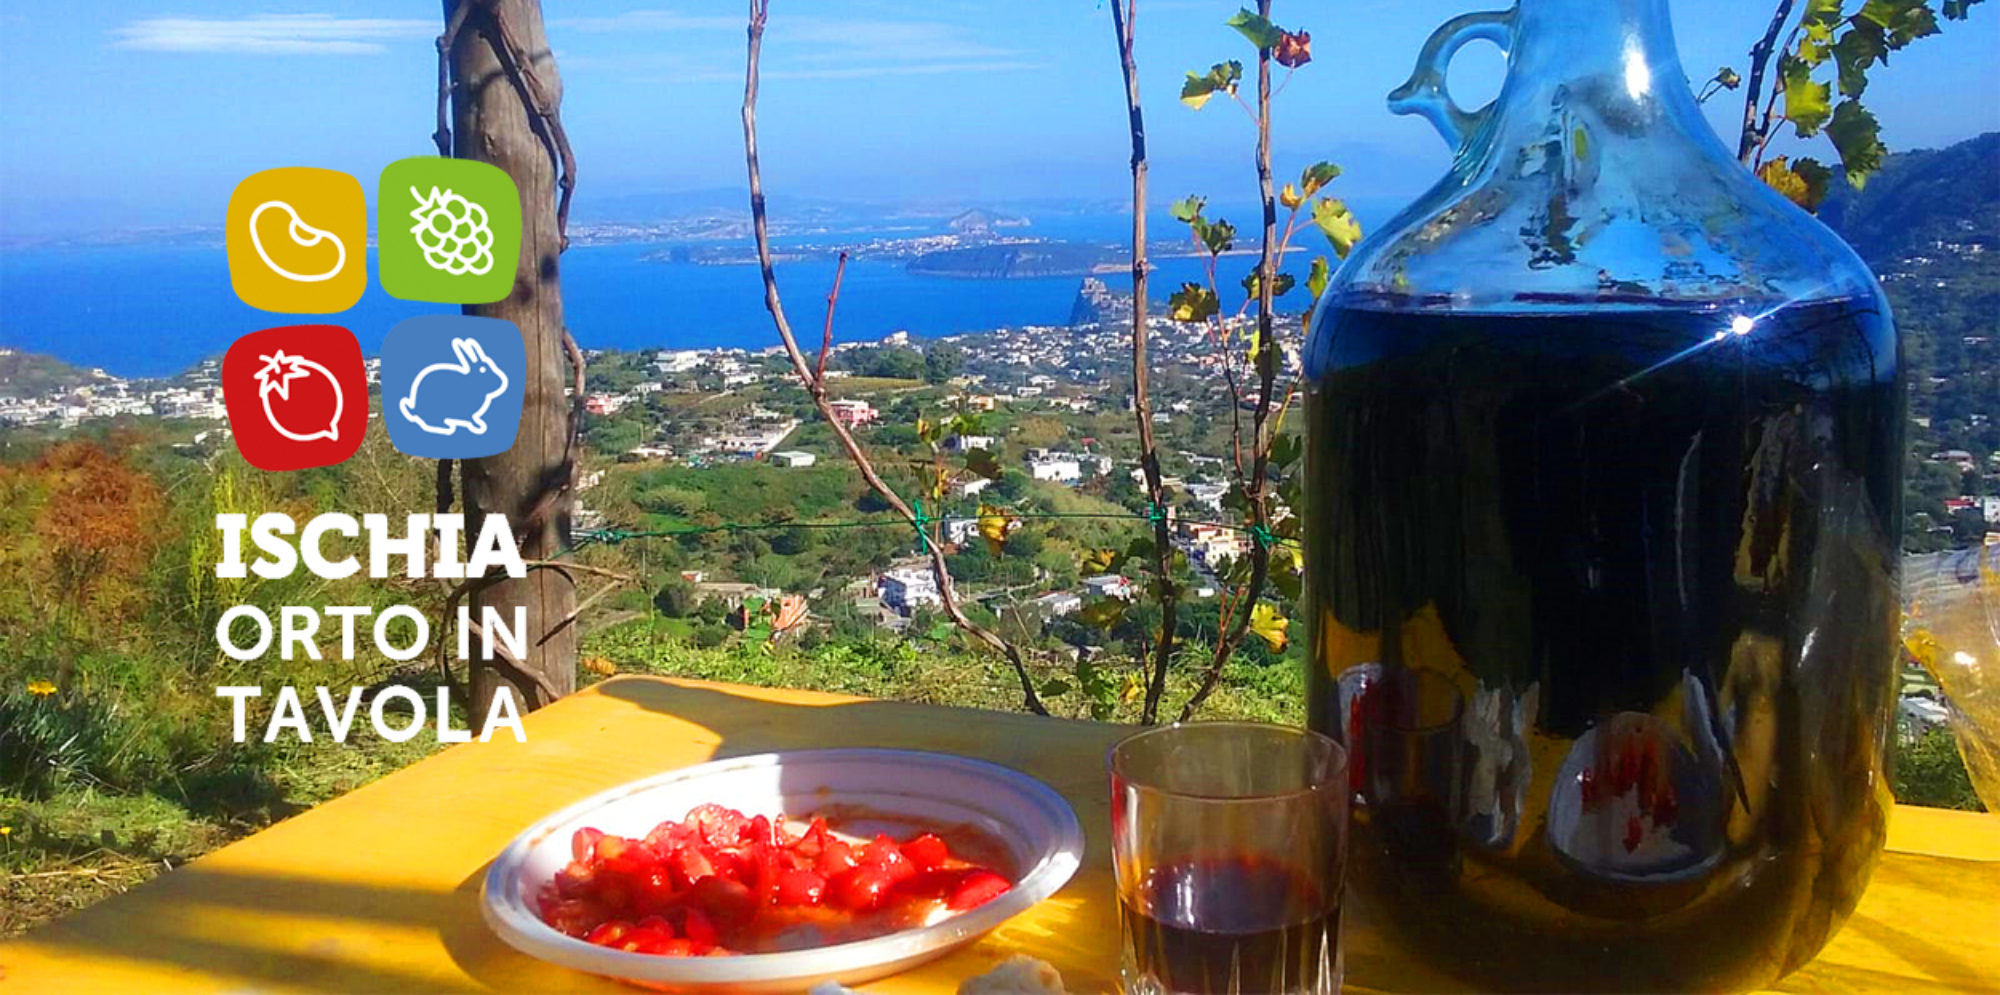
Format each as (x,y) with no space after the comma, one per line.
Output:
(1123,13)
(1755,136)
(816,386)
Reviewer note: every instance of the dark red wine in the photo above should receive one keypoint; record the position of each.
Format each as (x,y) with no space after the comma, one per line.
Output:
(1232,926)
(1657,549)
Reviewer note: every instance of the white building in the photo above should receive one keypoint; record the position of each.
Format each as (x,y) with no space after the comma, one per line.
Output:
(1208,495)
(1062,471)
(959,531)
(793,458)
(1109,586)
(1058,603)
(966,443)
(969,487)
(909,588)
(677,361)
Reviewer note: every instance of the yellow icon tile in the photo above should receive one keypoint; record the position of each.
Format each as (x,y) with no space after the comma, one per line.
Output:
(298,240)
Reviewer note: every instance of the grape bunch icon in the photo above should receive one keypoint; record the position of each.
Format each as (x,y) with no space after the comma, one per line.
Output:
(453,232)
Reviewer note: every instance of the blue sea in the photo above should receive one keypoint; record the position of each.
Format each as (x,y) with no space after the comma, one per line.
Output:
(155,311)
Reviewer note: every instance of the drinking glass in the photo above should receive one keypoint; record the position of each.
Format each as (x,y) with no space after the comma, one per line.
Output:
(1951,627)
(1229,841)
(1409,768)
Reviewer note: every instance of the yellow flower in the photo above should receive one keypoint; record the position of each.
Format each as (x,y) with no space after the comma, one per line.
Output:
(40,687)
(6,830)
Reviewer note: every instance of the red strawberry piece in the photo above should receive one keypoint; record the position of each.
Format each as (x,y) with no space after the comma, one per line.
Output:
(689,866)
(584,842)
(608,934)
(861,889)
(883,854)
(695,925)
(978,888)
(835,859)
(800,888)
(927,852)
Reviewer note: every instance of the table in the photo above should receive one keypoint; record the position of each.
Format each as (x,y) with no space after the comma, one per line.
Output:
(378,890)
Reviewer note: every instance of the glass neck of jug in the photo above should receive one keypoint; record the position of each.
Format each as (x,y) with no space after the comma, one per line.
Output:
(1618,55)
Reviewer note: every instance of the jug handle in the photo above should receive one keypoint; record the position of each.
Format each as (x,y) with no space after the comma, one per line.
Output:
(1424,93)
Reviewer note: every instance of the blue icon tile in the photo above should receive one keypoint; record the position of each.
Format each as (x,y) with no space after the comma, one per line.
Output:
(451,385)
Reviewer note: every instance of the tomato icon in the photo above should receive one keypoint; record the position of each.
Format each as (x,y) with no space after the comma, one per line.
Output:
(297,396)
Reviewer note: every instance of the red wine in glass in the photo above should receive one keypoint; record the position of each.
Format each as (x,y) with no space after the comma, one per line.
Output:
(1236,926)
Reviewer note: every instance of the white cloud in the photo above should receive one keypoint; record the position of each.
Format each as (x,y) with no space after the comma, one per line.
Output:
(857,72)
(272,34)
(819,47)
(647,20)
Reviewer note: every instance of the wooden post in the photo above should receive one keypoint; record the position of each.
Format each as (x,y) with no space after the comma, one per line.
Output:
(530,483)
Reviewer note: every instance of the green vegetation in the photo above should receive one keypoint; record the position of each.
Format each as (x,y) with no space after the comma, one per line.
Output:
(1930,771)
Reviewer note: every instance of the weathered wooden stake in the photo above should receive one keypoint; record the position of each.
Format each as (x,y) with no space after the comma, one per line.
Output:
(530,482)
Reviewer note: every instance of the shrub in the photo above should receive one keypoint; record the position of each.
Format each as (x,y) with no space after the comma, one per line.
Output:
(50,740)
(1929,771)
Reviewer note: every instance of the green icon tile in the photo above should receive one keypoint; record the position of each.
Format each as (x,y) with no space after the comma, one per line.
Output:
(447,231)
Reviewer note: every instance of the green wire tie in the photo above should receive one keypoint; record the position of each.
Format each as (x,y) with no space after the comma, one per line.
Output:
(1156,514)
(1263,536)
(920,520)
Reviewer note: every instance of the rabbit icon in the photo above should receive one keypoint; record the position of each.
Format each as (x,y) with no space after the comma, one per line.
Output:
(451,385)
(454,387)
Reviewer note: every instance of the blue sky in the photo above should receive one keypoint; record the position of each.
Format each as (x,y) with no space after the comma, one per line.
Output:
(121,113)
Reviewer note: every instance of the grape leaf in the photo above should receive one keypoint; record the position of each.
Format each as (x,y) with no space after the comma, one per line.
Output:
(1187,208)
(1853,54)
(1100,561)
(1270,626)
(1316,176)
(1903,21)
(1261,32)
(1290,196)
(1795,183)
(1280,286)
(1316,278)
(995,524)
(1294,49)
(1857,136)
(1338,224)
(1193,302)
(1218,236)
(1220,78)
(1807,104)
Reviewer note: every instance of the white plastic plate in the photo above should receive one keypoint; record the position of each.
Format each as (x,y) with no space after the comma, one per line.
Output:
(905,792)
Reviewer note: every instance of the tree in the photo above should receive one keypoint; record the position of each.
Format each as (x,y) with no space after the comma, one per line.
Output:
(505,95)
(942,361)
(1826,50)
(676,598)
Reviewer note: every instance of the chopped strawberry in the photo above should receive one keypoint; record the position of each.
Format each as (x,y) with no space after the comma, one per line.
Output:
(926,851)
(689,866)
(861,889)
(584,842)
(834,859)
(977,888)
(884,855)
(689,885)
(696,926)
(800,888)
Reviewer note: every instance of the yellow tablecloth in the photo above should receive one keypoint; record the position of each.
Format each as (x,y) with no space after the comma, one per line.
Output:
(378,890)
